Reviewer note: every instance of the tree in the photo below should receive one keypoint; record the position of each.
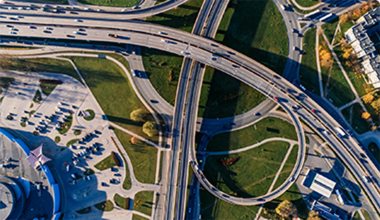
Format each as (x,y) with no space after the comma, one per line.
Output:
(314,215)
(325,57)
(368,98)
(150,128)
(376,104)
(366,115)
(134,140)
(138,115)
(344,18)
(356,13)
(286,209)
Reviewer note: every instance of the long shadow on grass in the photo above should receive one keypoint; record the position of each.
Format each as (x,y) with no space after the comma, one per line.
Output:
(116,119)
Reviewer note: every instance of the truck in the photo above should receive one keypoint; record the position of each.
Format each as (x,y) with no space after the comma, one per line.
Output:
(340,132)
(112,35)
(324,18)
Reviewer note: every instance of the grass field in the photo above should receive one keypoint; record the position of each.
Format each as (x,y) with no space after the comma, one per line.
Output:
(122,202)
(92,115)
(213,208)
(265,40)
(142,155)
(106,163)
(137,217)
(357,80)
(17,48)
(345,26)
(157,65)
(358,123)
(338,89)
(37,97)
(365,214)
(117,3)
(47,88)
(57,139)
(46,65)
(356,216)
(5,81)
(143,202)
(374,115)
(105,206)
(308,69)
(265,128)
(183,17)
(70,142)
(113,91)
(68,122)
(292,194)
(307,3)
(374,149)
(329,28)
(224,96)
(262,164)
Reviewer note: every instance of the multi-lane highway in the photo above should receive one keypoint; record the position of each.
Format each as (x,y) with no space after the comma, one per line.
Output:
(231,62)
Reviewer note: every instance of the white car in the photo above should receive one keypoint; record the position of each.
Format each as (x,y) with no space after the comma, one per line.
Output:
(77,20)
(12,32)
(75,32)
(67,168)
(86,9)
(48,28)
(133,72)
(124,10)
(99,9)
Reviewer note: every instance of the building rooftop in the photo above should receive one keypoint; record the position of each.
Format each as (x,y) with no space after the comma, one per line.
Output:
(319,183)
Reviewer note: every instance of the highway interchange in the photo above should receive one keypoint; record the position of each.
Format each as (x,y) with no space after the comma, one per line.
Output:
(229,61)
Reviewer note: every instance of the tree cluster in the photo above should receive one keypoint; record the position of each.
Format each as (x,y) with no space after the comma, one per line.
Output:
(228,162)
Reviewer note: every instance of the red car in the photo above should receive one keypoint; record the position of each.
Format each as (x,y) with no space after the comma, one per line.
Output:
(275,98)
(313,110)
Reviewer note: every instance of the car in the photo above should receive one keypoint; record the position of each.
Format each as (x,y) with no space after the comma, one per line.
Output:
(73,175)
(257,114)
(99,10)
(67,168)
(12,32)
(291,179)
(75,32)
(124,10)
(275,98)
(86,9)
(133,72)
(104,184)
(8,25)
(363,155)
(296,107)
(326,132)
(32,27)
(77,20)
(48,28)
(366,179)
(185,53)
(88,178)
(225,195)
(134,7)
(261,200)
(313,110)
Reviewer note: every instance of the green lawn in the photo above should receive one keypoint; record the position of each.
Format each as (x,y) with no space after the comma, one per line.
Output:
(214,208)
(122,202)
(143,202)
(113,91)
(46,65)
(329,28)
(374,149)
(105,206)
(92,115)
(345,26)
(256,29)
(70,142)
(157,65)
(68,123)
(57,139)
(365,214)
(47,88)
(5,81)
(356,216)
(224,96)
(357,80)
(308,69)
(77,132)
(358,123)
(17,48)
(262,164)
(142,155)
(338,89)
(106,163)
(116,3)
(137,217)
(292,194)
(37,97)
(307,3)
(264,129)
(183,17)
(374,115)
